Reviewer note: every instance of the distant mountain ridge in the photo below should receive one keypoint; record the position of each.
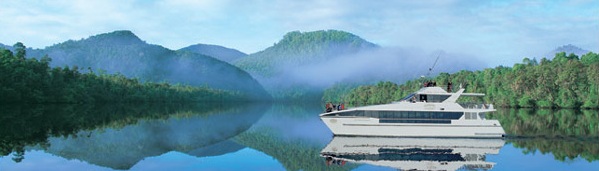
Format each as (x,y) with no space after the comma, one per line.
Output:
(123,52)
(6,46)
(219,52)
(569,48)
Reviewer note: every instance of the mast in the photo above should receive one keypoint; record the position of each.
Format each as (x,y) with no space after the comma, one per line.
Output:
(430,70)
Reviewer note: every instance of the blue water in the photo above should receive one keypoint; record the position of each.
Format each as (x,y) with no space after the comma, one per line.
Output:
(281,137)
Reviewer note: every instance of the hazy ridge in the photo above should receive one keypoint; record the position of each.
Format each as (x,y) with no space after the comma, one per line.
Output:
(123,52)
(219,52)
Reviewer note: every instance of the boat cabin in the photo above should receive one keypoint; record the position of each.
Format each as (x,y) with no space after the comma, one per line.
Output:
(428,94)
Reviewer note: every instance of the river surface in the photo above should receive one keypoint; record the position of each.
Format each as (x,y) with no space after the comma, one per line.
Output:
(274,137)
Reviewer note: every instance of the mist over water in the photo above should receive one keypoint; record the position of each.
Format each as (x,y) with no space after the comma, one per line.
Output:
(377,64)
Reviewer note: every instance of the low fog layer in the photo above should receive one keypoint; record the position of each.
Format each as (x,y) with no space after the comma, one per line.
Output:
(380,64)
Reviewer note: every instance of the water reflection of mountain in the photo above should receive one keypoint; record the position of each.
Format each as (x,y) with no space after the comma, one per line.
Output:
(119,144)
(413,153)
(293,135)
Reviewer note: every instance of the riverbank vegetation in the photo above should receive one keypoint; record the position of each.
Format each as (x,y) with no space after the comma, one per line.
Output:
(567,81)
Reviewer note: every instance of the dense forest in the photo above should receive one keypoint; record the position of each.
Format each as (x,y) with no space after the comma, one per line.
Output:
(28,80)
(567,81)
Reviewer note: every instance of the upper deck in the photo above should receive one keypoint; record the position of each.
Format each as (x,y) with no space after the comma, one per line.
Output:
(437,95)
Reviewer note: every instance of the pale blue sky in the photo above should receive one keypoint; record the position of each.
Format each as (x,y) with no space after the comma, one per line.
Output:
(501,31)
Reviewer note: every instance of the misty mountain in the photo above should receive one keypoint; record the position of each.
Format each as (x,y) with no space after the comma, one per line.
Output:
(219,52)
(295,51)
(301,48)
(123,52)
(569,48)
(303,64)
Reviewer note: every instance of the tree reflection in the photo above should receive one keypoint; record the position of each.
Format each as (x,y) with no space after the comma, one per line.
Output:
(567,134)
(549,123)
(562,149)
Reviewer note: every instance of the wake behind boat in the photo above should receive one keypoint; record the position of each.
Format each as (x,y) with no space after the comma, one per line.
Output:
(429,112)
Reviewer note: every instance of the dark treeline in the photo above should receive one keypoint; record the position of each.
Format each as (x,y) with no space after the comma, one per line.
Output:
(567,81)
(28,80)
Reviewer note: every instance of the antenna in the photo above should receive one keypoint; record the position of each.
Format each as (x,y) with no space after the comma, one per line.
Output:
(434,64)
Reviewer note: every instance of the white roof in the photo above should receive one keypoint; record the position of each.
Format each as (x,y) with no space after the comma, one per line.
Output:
(431,90)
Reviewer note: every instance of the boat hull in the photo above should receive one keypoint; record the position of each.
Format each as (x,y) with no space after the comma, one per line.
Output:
(356,126)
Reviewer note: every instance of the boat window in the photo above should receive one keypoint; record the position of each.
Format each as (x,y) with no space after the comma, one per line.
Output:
(415,121)
(426,115)
(407,114)
(470,115)
(416,115)
(482,116)
(359,113)
(423,98)
(437,98)
(372,114)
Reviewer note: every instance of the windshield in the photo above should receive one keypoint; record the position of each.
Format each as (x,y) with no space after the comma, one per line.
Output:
(409,97)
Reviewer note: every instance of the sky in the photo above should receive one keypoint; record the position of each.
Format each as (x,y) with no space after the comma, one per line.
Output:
(500,32)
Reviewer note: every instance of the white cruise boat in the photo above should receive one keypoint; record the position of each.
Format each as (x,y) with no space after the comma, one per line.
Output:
(429,112)
(413,153)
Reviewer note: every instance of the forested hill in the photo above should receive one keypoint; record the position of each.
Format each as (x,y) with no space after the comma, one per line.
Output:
(123,52)
(219,52)
(567,81)
(280,67)
(300,48)
(28,80)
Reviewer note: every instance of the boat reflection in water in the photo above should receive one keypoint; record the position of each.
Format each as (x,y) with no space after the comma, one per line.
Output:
(413,153)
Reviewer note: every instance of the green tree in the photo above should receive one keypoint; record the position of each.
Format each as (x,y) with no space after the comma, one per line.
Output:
(565,82)
(20,50)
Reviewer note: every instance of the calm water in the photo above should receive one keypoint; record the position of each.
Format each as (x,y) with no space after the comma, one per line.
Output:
(274,137)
